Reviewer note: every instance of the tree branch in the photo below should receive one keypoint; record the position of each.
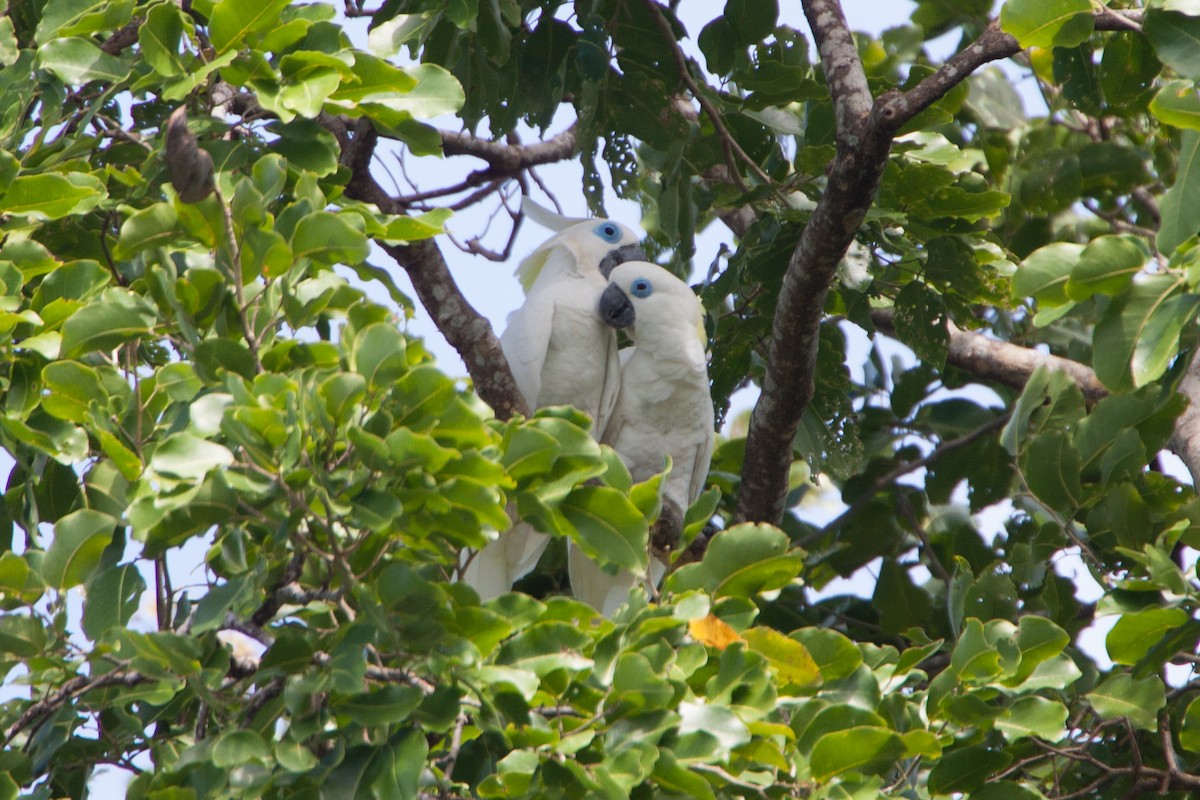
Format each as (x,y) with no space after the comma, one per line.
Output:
(467,331)
(900,470)
(992,45)
(1185,441)
(864,140)
(512,158)
(79,685)
(864,135)
(729,145)
(1003,362)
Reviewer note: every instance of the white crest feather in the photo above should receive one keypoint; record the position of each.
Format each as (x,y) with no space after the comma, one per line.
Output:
(548,219)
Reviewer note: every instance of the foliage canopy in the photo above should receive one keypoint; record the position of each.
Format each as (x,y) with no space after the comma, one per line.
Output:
(231,377)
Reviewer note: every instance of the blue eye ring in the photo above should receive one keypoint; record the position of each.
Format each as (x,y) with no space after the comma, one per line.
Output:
(641,287)
(608,231)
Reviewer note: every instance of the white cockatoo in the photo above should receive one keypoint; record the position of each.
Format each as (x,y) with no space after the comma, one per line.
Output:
(561,353)
(664,407)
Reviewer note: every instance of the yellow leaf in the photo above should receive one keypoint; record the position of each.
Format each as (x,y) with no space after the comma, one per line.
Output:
(790,660)
(713,632)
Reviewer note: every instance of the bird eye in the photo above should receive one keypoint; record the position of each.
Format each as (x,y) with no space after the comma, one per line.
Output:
(641,287)
(608,231)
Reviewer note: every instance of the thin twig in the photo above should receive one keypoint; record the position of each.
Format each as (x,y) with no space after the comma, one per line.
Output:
(900,470)
(728,144)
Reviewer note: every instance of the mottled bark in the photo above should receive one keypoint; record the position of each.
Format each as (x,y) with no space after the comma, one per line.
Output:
(1185,442)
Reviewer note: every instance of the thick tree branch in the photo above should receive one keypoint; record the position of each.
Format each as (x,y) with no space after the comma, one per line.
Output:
(1003,362)
(1185,441)
(992,45)
(864,140)
(465,329)
(865,130)
(512,158)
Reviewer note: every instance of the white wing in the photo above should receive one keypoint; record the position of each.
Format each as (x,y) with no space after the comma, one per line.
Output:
(601,590)
(505,561)
(525,342)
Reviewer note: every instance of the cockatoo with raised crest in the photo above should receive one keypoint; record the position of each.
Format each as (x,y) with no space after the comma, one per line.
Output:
(664,407)
(561,353)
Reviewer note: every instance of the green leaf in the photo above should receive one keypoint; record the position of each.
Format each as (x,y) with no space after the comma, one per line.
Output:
(294,757)
(113,597)
(1189,727)
(329,239)
(234,20)
(921,321)
(159,37)
(902,605)
(1045,272)
(51,196)
(380,355)
(342,393)
(1052,180)
(1137,632)
(966,769)
(384,706)
(1106,266)
(187,457)
(21,636)
(412,229)
(289,654)
(741,561)
(834,654)
(1180,206)
(1051,467)
(79,539)
(751,20)
(708,731)
(76,61)
(1038,640)
(376,80)
(436,92)
(1176,40)
(611,530)
(155,226)
(115,317)
(239,747)
(1178,104)
(1159,342)
(1127,70)
(1125,326)
(1033,717)
(401,766)
(1138,700)
(974,659)
(864,748)
(1047,23)
(70,389)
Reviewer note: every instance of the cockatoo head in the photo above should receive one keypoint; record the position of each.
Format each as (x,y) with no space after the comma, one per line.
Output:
(580,246)
(651,303)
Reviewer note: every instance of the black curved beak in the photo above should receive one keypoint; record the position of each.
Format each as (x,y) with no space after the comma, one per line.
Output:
(617,256)
(615,308)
